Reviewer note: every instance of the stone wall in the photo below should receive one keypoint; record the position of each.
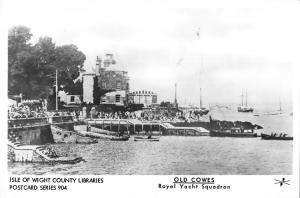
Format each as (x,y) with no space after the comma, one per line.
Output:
(32,135)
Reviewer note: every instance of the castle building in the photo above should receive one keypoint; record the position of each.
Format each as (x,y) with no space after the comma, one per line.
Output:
(111,79)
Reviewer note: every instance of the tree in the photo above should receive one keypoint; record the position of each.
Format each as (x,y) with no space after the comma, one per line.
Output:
(69,62)
(43,73)
(20,58)
(31,69)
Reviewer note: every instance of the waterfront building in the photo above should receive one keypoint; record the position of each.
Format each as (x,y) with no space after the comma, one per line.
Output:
(68,99)
(147,98)
(112,82)
(117,98)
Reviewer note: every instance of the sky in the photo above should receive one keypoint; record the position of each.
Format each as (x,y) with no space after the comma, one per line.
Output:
(243,46)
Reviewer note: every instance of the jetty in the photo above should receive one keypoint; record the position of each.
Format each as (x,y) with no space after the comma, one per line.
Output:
(137,127)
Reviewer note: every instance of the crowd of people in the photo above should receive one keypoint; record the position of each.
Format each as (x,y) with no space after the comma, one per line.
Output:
(149,115)
(280,135)
(36,111)
(26,111)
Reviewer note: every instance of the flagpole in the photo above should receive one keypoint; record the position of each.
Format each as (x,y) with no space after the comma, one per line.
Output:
(56,90)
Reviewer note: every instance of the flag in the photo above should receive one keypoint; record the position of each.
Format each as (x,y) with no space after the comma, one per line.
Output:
(198,33)
(179,62)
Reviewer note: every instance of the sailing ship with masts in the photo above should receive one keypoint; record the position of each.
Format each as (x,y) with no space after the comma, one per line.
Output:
(245,108)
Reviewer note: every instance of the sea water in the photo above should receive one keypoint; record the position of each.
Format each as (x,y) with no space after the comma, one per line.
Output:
(181,155)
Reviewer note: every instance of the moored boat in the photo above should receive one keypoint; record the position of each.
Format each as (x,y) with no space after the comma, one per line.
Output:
(121,138)
(233,132)
(272,137)
(246,108)
(150,139)
(67,160)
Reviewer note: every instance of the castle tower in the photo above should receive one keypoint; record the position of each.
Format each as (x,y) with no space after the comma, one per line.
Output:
(88,86)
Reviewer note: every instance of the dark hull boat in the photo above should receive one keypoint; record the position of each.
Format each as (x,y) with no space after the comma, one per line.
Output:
(67,160)
(121,138)
(269,137)
(146,139)
(229,134)
(245,109)
(232,133)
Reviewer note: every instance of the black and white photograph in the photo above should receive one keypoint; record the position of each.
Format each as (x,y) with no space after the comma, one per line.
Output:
(151,88)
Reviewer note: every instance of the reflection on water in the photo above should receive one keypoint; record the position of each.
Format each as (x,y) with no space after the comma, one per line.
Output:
(179,155)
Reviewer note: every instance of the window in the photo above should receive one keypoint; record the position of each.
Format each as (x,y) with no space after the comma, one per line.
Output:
(72,99)
(118,98)
(118,85)
(104,85)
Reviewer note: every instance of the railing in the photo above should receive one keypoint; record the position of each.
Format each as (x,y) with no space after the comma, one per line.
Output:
(23,122)
(29,122)
(60,119)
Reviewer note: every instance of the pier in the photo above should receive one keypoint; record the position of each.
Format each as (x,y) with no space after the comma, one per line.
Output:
(146,127)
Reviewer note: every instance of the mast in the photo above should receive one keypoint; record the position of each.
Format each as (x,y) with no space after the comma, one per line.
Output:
(175,95)
(242,99)
(280,107)
(200,104)
(201,98)
(246,98)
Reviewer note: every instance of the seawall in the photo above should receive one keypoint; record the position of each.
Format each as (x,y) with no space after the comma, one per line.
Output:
(32,135)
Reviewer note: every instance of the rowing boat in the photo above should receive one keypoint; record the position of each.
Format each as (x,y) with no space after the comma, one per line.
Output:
(121,138)
(146,139)
(270,137)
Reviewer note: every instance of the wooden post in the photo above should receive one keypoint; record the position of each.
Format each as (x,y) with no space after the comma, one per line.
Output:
(127,126)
